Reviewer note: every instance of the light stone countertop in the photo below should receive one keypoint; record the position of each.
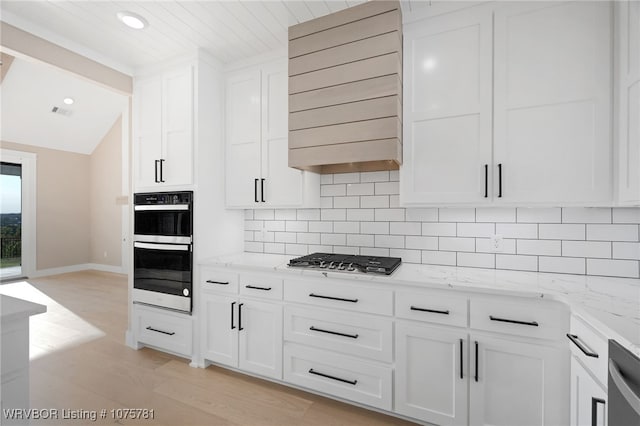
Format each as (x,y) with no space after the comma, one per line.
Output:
(611,305)
(12,308)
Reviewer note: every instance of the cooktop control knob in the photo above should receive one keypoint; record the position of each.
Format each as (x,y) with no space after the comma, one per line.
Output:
(351,267)
(332,265)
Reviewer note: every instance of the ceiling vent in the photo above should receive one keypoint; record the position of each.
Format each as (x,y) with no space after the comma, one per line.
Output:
(61,111)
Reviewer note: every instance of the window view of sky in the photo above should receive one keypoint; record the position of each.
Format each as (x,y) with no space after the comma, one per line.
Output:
(11,194)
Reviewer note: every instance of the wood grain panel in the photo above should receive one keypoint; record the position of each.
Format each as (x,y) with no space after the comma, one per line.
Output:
(343,17)
(386,151)
(350,92)
(358,50)
(345,113)
(382,128)
(360,70)
(358,30)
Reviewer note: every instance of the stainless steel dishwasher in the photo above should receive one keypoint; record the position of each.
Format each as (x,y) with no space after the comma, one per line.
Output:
(623,386)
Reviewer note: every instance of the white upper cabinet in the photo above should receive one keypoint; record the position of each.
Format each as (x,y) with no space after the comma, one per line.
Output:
(257,172)
(163,130)
(552,103)
(509,103)
(447,108)
(628,90)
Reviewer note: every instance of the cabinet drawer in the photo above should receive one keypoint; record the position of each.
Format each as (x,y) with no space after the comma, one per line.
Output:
(261,286)
(341,295)
(163,329)
(219,280)
(527,318)
(586,340)
(354,334)
(338,375)
(432,307)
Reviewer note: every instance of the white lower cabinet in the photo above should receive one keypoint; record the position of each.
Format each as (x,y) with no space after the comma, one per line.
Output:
(588,398)
(242,333)
(163,329)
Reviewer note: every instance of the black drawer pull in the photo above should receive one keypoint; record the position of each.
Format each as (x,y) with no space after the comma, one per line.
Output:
(333,298)
(475,376)
(351,382)
(337,333)
(433,311)
(255,287)
(168,333)
(574,339)
(531,323)
(594,409)
(218,282)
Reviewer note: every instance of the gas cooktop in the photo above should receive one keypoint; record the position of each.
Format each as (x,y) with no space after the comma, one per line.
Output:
(347,263)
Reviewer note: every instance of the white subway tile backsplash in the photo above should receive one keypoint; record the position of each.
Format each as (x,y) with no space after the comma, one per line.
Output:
(439,257)
(253,246)
(389,215)
(516,262)
(266,214)
(296,249)
(314,248)
(333,214)
(335,190)
(485,245)
(561,232)
(274,225)
(374,201)
(477,260)
(266,236)
(326,202)
(495,214)
(539,247)
(352,202)
(346,227)
(586,215)
(394,175)
(562,265)
(374,227)
(374,176)
(612,232)
(296,226)
(439,229)
(421,243)
(248,214)
(346,178)
(360,189)
(347,250)
(326,179)
(320,226)
(360,240)
(456,244)
(308,214)
(421,215)
(360,215)
(275,248)
(630,251)
(253,225)
(405,228)
(387,188)
(457,215)
(389,241)
(394,201)
(374,251)
(598,249)
(539,215)
(308,238)
(248,235)
(408,256)
(517,230)
(333,239)
(284,237)
(476,229)
(614,268)
(626,215)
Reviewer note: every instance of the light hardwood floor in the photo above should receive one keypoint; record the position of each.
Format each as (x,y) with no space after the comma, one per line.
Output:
(80,361)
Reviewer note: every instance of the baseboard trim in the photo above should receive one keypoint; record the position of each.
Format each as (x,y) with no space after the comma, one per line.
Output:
(77,268)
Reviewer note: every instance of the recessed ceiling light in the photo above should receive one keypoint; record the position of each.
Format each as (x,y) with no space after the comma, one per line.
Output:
(132,20)
(68,101)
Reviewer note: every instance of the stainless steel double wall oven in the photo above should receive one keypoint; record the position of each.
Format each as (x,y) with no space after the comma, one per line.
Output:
(163,249)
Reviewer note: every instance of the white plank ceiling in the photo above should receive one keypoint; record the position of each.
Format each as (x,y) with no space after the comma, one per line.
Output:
(228,30)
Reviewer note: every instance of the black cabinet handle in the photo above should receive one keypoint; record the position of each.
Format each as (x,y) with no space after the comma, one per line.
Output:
(475,377)
(574,339)
(500,180)
(433,311)
(333,298)
(337,333)
(255,287)
(531,323)
(262,190)
(168,333)
(594,409)
(486,180)
(156,171)
(461,359)
(233,304)
(218,282)
(161,170)
(240,317)
(255,190)
(317,373)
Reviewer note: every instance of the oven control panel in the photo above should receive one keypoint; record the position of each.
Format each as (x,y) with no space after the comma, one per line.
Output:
(161,198)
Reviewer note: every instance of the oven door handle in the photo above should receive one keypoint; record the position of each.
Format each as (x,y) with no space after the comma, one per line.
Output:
(155,207)
(154,246)
(627,393)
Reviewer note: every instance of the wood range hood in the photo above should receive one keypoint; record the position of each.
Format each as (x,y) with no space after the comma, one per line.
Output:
(345,90)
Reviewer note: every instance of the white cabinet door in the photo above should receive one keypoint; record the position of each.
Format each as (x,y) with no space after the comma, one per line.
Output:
(588,399)
(628,51)
(148,131)
(260,338)
(431,373)
(517,383)
(282,184)
(447,108)
(177,127)
(552,102)
(220,329)
(243,138)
